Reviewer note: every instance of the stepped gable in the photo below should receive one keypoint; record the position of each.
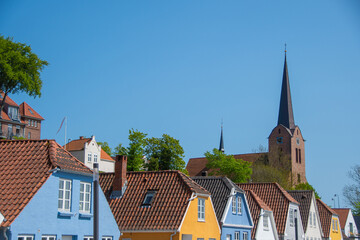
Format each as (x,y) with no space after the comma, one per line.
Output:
(325,213)
(304,197)
(255,206)
(24,167)
(275,197)
(220,189)
(173,191)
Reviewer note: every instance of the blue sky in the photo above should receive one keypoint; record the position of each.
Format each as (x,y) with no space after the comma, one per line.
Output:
(180,67)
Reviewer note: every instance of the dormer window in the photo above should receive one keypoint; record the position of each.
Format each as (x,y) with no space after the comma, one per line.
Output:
(148,198)
(30,111)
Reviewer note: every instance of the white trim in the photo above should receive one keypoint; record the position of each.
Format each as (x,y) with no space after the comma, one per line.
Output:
(215,215)
(228,204)
(150,231)
(273,224)
(237,225)
(187,208)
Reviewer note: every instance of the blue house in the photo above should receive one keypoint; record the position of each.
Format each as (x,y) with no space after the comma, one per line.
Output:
(231,207)
(46,194)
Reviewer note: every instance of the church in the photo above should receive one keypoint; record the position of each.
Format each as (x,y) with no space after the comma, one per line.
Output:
(285,142)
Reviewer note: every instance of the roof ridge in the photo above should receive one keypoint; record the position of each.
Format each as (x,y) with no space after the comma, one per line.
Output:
(185,180)
(286,194)
(52,152)
(327,207)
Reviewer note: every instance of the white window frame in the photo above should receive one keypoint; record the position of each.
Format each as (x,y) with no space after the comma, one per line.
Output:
(95,158)
(201,209)
(89,157)
(310,219)
(314,219)
(106,238)
(84,204)
(237,236)
(25,237)
(266,222)
(88,238)
(62,197)
(239,203)
(233,204)
(48,237)
(291,217)
(245,236)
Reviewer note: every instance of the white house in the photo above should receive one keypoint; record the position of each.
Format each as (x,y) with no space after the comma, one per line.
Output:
(88,151)
(347,222)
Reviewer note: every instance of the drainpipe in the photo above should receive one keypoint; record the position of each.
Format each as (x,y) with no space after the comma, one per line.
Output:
(171,236)
(4,233)
(296,225)
(96,200)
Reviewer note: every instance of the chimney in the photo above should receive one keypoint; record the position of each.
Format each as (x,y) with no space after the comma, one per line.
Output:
(120,182)
(81,137)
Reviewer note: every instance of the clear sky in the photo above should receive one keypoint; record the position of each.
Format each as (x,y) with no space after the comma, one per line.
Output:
(180,67)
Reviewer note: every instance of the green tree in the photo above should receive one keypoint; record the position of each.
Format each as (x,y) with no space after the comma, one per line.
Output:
(19,69)
(266,173)
(307,186)
(238,170)
(135,151)
(164,153)
(352,191)
(105,146)
(120,150)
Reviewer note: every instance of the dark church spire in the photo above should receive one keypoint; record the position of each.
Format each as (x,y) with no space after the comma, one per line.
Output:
(286,116)
(221,147)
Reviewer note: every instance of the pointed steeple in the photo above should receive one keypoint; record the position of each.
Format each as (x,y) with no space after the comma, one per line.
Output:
(221,147)
(286,116)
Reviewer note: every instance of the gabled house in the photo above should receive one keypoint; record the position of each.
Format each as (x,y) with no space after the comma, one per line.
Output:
(231,207)
(285,208)
(309,213)
(46,194)
(330,222)
(159,205)
(19,121)
(88,152)
(347,223)
(263,217)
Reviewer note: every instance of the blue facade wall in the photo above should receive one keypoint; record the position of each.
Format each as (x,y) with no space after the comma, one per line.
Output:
(242,219)
(41,216)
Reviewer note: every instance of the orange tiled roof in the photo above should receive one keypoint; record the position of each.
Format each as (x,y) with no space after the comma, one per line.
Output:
(77,145)
(173,190)
(343,215)
(8,100)
(326,214)
(27,111)
(255,206)
(106,156)
(24,168)
(275,197)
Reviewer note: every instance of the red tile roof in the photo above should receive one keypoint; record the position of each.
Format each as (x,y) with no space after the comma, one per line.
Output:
(343,215)
(8,100)
(106,156)
(326,214)
(77,145)
(24,168)
(304,197)
(173,190)
(275,197)
(27,111)
(255,205)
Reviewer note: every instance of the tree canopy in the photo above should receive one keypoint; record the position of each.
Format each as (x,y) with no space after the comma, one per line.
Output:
(19,69)
(352,191)
(238,170)
(105,146)
(135,151)
(307,186)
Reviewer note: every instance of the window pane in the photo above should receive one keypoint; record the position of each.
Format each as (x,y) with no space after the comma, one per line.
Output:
(67,185)
(81,187)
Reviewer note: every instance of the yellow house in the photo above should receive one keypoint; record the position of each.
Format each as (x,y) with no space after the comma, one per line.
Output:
(159,205)
(330,223)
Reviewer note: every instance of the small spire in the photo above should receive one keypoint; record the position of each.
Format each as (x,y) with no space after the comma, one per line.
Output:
(221,147)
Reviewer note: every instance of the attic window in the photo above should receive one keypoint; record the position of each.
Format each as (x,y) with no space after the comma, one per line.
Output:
(30,111)
(148,198)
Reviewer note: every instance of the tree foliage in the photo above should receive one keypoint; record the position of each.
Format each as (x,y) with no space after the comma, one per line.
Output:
(105,146)
(307,186)
(352,191)
(19,69)
(120,150)
(267,173)
(135,151)
(237,170)
(164,153)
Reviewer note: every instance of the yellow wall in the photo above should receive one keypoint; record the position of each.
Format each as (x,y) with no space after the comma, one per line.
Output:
(149,236)
(207,229)
(335,231)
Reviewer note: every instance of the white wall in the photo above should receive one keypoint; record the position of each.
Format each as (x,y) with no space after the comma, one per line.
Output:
(261,233)
(93,148)
(313,231)
(290,230)
(350,219)
(106,166)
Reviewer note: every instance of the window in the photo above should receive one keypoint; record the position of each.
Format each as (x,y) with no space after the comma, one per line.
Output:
(237,236)
(297,141)
(48,237)
(200,238)
(85,196)
(233,205)
(245,235)
(32,123)
(297,155)
(35,123)
(149,197)
(25,237)
(13,113)
(310,216)
(314,220)
(88,238)
(279,140)
(95,157)
(266,222)
(29,123)
(64,201)
(201,209)
(336,225)
(228,237)
(89,157)
(29,135)
(239,205)
(291,216)
(106,238)
(351,228)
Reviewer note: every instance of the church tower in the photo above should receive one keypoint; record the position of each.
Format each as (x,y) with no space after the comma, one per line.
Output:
(286,144)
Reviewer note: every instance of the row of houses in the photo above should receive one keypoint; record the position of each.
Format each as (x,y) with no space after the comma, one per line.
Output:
(46,193)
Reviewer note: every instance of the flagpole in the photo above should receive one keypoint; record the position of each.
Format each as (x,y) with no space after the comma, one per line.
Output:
(65,131)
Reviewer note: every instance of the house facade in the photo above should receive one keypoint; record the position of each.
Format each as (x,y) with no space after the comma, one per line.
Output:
(285,208)
(19,120)
(89,152)
(347,223)
(159,205)
(309,213)
(330,222)
(231,207)
(263,218)
(47,194)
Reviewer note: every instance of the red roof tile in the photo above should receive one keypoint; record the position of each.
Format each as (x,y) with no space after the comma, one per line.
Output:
(106,156)
(343,215)
(275,197)
(326,214)
(77,145)
(24,168)
(173,190)
(8,100)
(27,111)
